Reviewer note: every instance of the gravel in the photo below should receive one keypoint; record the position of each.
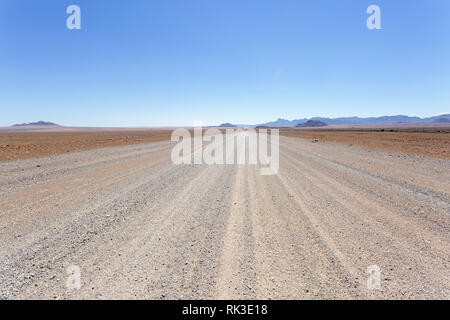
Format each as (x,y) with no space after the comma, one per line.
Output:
(139,226)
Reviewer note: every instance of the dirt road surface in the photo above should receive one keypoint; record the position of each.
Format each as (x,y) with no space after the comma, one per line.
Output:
(139,226)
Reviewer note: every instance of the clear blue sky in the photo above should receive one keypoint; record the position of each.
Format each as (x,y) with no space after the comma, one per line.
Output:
(166,62)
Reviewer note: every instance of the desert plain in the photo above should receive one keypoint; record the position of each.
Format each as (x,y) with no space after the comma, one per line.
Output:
(112,203)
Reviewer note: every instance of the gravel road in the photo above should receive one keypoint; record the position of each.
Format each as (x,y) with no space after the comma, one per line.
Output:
(139,226)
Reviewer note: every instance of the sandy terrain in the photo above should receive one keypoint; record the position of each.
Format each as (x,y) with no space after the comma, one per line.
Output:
(139,226)
(431,142)
(31,142)
(43,142)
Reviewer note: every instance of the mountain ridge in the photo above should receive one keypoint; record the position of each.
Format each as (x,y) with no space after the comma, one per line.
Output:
(359,120)
(37,123)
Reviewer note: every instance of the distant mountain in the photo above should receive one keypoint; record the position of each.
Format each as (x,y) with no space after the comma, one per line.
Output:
(282,123)
(311,123)
(443,118)
(227,125)
(39,123)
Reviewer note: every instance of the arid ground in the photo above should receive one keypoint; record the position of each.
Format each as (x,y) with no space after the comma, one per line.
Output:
(41,142)
(139,226)
(431,142)
(31,144)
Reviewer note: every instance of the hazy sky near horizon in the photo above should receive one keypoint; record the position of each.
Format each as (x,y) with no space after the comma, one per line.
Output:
(170,63)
